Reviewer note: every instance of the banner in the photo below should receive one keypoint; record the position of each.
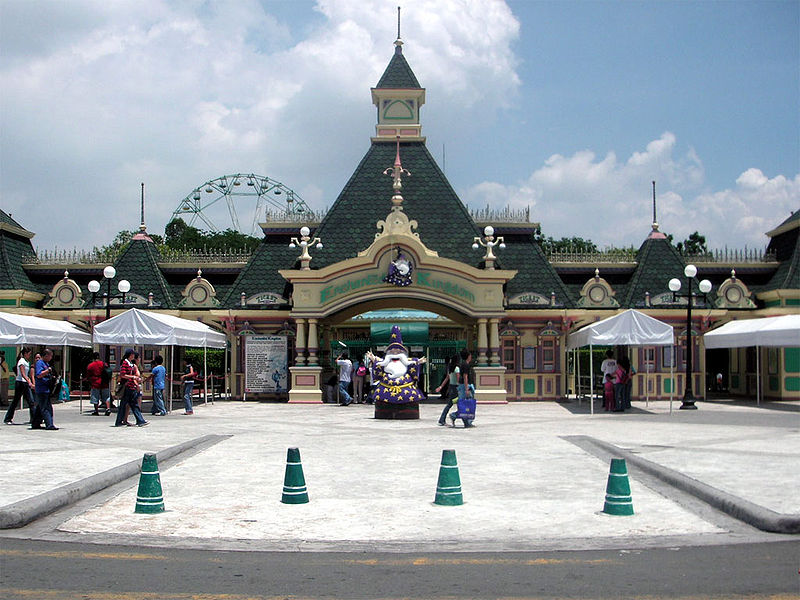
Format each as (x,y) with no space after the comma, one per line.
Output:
(265,367)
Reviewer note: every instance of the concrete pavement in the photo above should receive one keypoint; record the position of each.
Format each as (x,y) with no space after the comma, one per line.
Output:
(533,476)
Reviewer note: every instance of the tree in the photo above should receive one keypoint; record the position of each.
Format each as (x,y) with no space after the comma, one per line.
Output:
(565,244)
(178,236)
(694,245)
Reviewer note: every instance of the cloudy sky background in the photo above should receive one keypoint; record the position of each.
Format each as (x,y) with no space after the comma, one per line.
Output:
(569,108)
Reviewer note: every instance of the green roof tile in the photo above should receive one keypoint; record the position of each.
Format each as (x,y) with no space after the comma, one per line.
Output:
(398,75)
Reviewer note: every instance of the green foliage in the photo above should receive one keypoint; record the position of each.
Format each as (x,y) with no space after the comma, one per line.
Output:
(565,244)
(180,236)
(215,360)
(121,241)
(694,245)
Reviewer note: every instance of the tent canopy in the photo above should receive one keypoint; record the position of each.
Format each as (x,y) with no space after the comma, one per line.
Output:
(19,330)
(136,326)
(629,328)
(767,331)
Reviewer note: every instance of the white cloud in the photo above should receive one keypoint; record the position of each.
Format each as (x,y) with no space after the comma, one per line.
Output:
(188,91)
(610,201)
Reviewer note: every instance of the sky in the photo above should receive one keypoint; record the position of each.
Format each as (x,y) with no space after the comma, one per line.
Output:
(569,109)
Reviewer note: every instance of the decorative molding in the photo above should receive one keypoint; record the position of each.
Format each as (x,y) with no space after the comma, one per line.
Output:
(199,293)
(65,294)
(733,293)
(597,293)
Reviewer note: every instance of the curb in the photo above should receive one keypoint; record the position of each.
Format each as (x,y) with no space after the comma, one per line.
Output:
(25,511)
(762,518)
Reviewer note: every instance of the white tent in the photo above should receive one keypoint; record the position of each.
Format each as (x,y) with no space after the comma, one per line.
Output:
(146,328)
(19,330)
(767,331)
(628,328)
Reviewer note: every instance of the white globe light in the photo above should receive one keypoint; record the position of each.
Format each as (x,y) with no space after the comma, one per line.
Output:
(94,286)
(690,271)
(292,245)
(109,272)
(488,230)
(502,245)
(124,286)
(304,231)
(705,286)
(475,246)
(674,284)
(319,244)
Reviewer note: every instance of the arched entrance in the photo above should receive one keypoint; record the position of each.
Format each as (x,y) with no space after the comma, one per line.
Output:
(397,271)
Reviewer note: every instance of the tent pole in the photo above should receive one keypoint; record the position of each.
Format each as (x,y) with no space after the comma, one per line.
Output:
(578,371)
(205,376)
(758,375)
(646,379)
(225,373)
(591,380)
(671,378)
(64,370)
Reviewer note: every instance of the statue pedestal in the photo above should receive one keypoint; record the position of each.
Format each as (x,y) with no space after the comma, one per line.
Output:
(490,385)
(388,410)
(306,385)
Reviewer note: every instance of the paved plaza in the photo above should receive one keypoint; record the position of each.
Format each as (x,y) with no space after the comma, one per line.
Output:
(533,476)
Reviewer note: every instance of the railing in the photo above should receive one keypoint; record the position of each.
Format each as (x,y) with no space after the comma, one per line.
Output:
(169,255)
(611,255)
(733,255)
(503,215)
(71,257)
(308,216)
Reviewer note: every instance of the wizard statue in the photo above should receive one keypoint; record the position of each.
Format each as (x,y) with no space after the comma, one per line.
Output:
(396,395)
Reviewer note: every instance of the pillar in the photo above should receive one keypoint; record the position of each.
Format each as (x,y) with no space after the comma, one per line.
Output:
(494,342)
(483,342)
(313,343)
(300,342)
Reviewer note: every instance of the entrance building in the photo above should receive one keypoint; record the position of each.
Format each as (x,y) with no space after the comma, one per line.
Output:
(399,247)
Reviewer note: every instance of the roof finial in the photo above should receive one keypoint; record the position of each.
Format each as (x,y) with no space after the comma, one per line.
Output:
(397,171)
(655,221)
(398,43)
(142,226)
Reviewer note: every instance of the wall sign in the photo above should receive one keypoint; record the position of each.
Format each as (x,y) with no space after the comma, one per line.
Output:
(265,364)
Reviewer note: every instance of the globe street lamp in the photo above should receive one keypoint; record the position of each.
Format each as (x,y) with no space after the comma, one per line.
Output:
(704,286)
(124,286)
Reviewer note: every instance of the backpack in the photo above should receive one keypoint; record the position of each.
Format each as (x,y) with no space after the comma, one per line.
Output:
(361,371)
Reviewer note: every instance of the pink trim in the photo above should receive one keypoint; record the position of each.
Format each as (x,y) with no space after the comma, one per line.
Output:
(493,380)
(306,380)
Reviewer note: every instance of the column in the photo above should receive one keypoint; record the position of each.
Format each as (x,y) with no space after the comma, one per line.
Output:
(300,341)
(313,343)
(483,343)
(494,342)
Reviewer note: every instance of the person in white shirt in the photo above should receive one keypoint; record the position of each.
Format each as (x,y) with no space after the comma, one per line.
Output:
(609,365)
(345,372)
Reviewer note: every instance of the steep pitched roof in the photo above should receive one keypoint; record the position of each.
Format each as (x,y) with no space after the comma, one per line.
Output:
(657,262)
(535,273)
(787,275)
(139,265)
(398,75)
(444,222)
(15,243)
(260,274)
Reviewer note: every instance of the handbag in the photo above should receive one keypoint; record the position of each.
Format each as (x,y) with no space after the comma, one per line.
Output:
(466,408)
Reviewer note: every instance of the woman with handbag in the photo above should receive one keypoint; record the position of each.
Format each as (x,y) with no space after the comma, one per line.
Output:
(451,392)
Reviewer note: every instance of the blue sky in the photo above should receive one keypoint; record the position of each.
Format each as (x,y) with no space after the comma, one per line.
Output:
(569,108)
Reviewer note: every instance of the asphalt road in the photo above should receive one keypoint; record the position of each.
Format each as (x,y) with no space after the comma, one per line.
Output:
(43,570)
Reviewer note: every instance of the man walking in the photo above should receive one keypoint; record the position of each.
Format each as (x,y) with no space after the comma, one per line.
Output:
(159,377)
(345,371)
(43,373)
(130,391)
(99,382)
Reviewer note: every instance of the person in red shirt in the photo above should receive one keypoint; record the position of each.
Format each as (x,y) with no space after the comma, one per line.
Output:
(130,394)
(99,381)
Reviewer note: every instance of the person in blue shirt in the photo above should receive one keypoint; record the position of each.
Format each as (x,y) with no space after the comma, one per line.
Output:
(43,372)
(159,377)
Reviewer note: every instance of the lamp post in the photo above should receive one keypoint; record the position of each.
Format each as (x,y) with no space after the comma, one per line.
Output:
(690,271)
(489,242)
(304,242)
(124,286)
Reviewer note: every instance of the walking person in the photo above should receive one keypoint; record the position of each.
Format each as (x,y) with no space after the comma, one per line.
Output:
(22,386)
(43,411)
(159,378)
(188,386)
(465,388)
(451,392)
(130,392)
(620,382)
(345,371)
(359,375)
(5,375)
(98,376)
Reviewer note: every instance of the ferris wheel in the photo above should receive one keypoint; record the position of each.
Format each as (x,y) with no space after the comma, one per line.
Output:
(219,202)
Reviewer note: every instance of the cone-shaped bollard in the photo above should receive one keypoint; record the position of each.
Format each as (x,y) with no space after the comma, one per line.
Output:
(618,490)
(294,483)
(149,498)
(448,490)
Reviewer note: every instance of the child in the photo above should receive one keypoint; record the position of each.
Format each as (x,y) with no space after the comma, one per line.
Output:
(608,393)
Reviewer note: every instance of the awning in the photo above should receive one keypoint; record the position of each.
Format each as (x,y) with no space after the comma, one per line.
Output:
(412,332)
(629,328)
(19,330)
(147,328)
(767,331)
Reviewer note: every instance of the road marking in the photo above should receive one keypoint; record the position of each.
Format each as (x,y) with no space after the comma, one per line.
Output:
(73,554)
(429,561)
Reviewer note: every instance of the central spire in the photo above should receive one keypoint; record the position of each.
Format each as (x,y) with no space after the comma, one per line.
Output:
(398,97)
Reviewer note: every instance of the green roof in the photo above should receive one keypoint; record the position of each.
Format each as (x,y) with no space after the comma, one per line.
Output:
(444,222)
(13,248)
(657,262)
(260,274)
(398,75)
(138,263)
(535,273)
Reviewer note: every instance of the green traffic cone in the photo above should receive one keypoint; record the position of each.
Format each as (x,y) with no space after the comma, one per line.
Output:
(294,483)
(448,489)
(618,490)
(149,498)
